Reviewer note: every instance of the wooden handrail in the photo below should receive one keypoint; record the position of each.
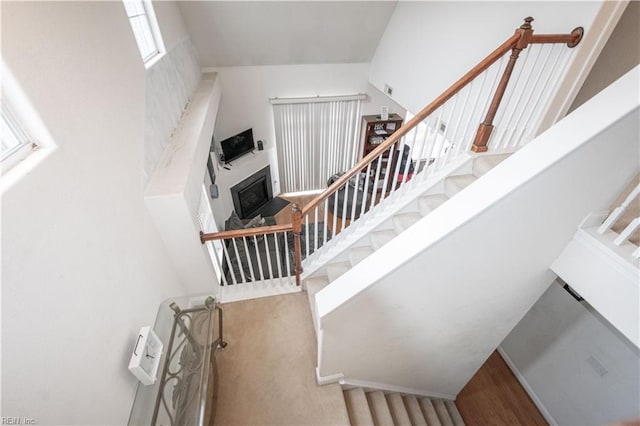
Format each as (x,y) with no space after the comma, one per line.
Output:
(572,39)
(249,232)
(417,119)
(517,42)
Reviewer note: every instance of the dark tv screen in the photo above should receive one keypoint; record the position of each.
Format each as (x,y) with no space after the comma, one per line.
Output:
(237,145)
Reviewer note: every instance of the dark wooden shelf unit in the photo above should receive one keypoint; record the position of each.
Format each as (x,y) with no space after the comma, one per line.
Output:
(377,130)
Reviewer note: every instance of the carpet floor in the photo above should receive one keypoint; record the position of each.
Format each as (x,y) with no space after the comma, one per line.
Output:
(267,373)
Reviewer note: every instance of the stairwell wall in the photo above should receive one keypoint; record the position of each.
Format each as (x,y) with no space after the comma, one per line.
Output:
(429,45)
(427,309)
(83,268)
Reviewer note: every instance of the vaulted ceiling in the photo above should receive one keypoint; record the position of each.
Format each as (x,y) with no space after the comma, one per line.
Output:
(235,33)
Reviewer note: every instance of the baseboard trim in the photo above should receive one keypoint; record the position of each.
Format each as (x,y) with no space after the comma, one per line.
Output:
(348,383)
(543,410)
(325,380)
(238,292)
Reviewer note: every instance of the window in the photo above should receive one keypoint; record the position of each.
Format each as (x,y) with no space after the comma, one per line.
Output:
(144,27)
(16,144)
(315,138)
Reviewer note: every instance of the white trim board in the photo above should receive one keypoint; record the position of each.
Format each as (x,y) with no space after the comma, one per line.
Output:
(543,410)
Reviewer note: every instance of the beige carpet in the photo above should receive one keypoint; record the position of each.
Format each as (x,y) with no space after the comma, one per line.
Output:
(267,373)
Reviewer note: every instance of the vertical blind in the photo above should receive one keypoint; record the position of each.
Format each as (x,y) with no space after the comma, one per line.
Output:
(314,140)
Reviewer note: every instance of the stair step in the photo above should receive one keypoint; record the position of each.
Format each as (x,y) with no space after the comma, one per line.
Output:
(484,163)
(443,413)
(404,221)
(380,238)
(358,254)
(398,410)
(314,285)
(379,408)
(429,412)
(358,407)
(454,413)
(414,411)
(455,184)
(430,202)
(335,270)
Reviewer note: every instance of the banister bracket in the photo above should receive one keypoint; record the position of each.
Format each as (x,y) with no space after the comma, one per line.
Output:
(577,35)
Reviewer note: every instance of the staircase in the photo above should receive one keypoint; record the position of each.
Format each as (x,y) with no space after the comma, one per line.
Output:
(377,408)
(350,255)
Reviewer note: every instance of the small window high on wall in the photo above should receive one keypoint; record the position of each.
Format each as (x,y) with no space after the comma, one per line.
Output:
(145,28)
(16,143)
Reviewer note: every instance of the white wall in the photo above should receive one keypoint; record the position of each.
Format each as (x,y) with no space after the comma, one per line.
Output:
(427,309)
(576,364)
(620,54)
(245,104)
(429,45)
(83,267)
(170,22)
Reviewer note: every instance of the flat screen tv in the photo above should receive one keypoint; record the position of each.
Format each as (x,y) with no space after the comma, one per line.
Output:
(238,145)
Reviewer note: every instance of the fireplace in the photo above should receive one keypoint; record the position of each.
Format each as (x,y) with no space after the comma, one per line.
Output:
(252,194)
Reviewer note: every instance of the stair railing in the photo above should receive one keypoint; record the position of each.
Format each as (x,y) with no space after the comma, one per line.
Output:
(616,215)
(267,254)
(443,130)
(510,95)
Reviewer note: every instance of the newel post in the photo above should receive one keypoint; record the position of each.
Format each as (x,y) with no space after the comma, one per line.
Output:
(296,220)
(486,127)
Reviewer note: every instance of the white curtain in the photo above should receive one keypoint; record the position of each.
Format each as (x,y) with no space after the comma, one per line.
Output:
(315,140)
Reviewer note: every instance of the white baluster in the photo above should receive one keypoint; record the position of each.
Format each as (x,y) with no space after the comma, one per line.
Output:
(618,211)
(374,193)
(287,258)
(626,233)
(269,266)
(278,258)
(255,247)
(355,197)
(326,218)
(306,233)
(246,251)
(229,265)
(335,213)
(345,201)
(240,265)
(554,76)
(316,232)
(366,189)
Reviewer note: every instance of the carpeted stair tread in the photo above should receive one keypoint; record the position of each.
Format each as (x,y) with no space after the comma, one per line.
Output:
(379,409)
(484,163)
(380,238)
(335,270)
(358,407)
(455,184)
(442,412)
(358,254)
(430,202)
(429,412)
(454,413)
(398,410)
(414,411)
(404,221)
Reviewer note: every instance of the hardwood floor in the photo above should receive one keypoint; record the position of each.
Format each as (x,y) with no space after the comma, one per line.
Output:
(495,397)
